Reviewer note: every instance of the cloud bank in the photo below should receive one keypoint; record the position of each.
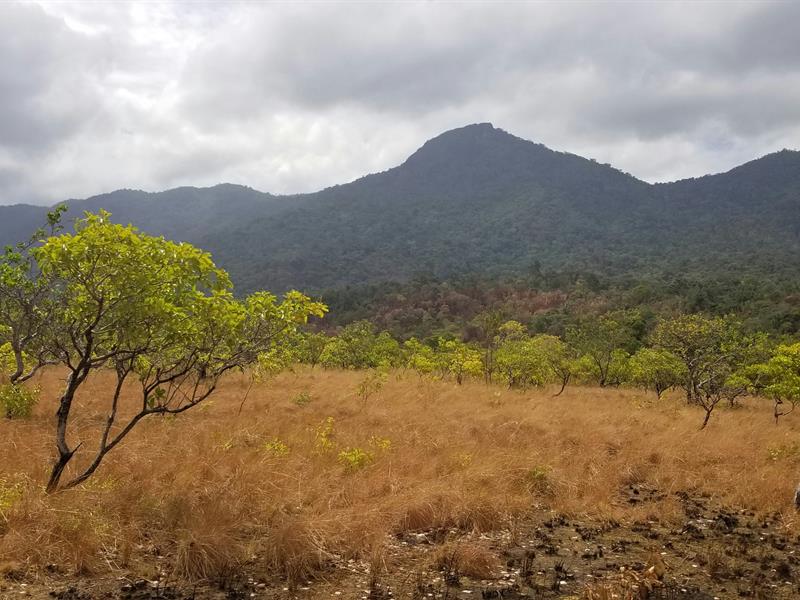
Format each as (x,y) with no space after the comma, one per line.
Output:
(294,97)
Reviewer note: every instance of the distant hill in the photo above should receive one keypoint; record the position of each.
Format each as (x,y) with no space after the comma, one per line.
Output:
(476,200)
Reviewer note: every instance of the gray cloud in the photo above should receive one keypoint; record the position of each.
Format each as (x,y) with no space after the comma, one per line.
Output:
(295,97)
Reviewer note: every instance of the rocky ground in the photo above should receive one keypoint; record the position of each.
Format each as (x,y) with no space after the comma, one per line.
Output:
(715,552)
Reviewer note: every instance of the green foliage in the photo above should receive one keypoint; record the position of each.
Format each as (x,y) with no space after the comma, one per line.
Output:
(511,331)
(523,208)
(552,301)
(715,353)
(8,362)
(459,360)
(599,337)
(380,444)
(420,357)
(355,459)
(358,347)
(777,378)
(657,370)
(323,436)
(619,369)
(10,494)
(157,311)
(520,365)
(537,361)
(370,384)
(538,480)
(277,448)
(711,350)
(302,399)
(17,401)
(27,298)
(310,347)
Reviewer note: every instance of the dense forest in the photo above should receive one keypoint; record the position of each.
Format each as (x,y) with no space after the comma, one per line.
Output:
(478,200)
(548,302)
(478,219)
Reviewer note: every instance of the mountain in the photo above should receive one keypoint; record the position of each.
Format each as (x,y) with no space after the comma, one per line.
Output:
(476,200)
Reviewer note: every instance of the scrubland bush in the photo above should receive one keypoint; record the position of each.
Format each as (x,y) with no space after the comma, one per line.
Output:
(17,401)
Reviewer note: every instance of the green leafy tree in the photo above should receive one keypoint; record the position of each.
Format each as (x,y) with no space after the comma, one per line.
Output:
(26,306)
(560,358)
(778,378)
(619,369)
(520,363)
(489,324)
(420,357)
(358,347)
(536,361)
(709,348)
(657,370)
(713,352)
(598,337)
(311,346)
(511,331)
(459,360)
(154,311)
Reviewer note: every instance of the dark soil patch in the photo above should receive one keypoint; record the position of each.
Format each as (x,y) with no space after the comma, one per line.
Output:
(714,553)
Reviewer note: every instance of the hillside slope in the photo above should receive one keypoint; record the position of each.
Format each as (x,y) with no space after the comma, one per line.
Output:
(476,200)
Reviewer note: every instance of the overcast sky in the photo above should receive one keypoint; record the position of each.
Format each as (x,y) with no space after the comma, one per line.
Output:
(293,97)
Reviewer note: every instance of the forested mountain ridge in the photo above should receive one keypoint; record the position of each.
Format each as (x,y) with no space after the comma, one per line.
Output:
(476,200)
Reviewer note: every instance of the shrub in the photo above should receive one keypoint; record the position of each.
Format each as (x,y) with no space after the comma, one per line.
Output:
(16,401)
(302,399)
(380,444)
(538,480)
(355,459)
(323,436)
(370,385)
(276,448)
(10,494)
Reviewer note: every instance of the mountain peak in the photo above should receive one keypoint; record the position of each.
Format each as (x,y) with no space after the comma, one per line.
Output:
(478,142)
(475,133)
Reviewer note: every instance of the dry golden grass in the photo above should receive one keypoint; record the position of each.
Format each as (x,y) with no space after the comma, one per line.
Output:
(211,490)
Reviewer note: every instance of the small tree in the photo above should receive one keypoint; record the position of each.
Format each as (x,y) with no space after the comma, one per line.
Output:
(489,324)
(619,369)
(598,337)
(710,349)
(459,360)
(715,354)
(155,311)
(358,347)
(419,357)
(311,346)
(520,363)
(778,379)
(657,370)
(535,361)
(27,302)
(560,358)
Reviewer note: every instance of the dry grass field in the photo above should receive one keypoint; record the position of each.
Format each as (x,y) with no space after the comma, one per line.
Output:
(308,490)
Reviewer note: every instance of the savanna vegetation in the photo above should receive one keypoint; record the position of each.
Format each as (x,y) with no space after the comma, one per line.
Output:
(160,428)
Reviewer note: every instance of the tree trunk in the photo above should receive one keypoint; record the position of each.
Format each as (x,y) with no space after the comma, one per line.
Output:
(58,470)
(705,421)
(564,382)
(62,416)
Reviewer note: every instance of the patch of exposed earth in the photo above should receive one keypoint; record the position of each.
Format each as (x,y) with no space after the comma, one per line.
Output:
(713,553)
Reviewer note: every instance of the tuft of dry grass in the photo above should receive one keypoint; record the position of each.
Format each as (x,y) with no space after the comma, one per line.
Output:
(206,493)
(468,559)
